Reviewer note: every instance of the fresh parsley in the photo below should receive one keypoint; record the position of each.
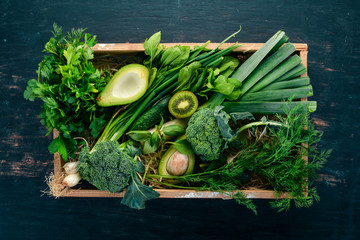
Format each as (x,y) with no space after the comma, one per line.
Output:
(68,85)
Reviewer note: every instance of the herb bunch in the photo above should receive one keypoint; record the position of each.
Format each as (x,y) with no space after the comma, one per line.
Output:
(68,85)
(289,160)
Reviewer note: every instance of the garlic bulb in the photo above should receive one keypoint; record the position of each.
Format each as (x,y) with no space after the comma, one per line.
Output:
(71,167)
(71,180)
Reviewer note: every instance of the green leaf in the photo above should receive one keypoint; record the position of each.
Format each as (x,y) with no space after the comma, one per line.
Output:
(58,145)
(235,116)
(137,194)
(228,65)
(96,125)
(183,146)
(151,44)
(222,86)
(185,75)
(139,135)
(149,148)
(155,139)
(182,59)
(223,122)
(169,55)
(152,75)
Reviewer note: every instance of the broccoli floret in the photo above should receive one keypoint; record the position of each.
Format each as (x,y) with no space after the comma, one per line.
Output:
(204,135)
(107,167)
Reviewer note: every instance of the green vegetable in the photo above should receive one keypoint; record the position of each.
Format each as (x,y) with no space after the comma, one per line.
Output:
(281,94)
(230,87)
(251,63)
(187,75)
(266,66)
(227,66)
(295,72)
(68,85)
(266,107)
(151,47)
(107,167)
(110,167)
(126,86)
(153,138)
(276,73)
(153,115)
(292,83)
(204,135)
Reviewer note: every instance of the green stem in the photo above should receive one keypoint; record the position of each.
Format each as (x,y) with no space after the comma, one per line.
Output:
(255,124)
(172,185)
(137,112)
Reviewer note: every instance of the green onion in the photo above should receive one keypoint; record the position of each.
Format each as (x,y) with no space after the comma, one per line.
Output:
(245,69)
(276,73)
(274,95)
(293,83)
(266,107)
(266,66)
(295,72)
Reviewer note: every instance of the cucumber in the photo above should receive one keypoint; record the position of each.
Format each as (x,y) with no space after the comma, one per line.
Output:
(152,115)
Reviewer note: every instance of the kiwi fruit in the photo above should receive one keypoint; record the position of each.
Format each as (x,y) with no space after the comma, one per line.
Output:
(183,104)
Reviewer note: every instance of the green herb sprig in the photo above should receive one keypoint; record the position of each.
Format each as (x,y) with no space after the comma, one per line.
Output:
(68,84)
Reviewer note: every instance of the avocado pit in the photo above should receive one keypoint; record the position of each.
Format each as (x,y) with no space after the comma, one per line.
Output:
(177,164)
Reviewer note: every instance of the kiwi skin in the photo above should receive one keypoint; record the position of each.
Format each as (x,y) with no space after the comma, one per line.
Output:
(183,104)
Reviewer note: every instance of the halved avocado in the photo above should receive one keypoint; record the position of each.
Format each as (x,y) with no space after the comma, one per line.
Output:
(126,86)
(175,163)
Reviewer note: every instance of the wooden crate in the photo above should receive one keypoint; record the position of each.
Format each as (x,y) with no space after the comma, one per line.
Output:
(131,48)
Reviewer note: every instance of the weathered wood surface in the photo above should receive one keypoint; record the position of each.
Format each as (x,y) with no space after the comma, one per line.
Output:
(331,30)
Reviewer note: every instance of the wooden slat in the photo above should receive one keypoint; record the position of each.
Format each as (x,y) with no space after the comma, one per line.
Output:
(139,47)
(174,193)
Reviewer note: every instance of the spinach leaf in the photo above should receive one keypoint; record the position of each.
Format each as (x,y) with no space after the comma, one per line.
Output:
(151,46)
(187,74)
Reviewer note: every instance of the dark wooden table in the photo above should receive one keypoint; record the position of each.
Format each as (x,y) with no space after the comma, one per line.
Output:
(330,28)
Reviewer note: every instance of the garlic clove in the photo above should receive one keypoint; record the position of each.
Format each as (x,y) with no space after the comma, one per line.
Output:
(71,180)
(71,167)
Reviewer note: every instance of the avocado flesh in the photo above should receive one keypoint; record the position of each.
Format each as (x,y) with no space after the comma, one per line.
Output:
(175,163)
(126,86)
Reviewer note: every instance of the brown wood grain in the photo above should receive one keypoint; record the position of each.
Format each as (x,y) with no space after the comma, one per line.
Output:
(139,47)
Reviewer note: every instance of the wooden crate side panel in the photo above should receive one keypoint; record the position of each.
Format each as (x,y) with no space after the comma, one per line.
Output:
(139,47)
(174,193)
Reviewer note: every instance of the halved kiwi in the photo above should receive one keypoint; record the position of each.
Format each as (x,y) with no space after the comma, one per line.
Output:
(183,104)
